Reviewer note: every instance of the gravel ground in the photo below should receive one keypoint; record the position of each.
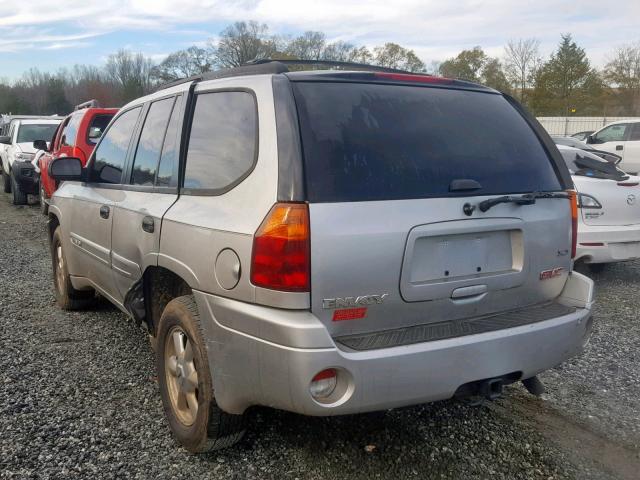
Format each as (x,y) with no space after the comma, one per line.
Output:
(79,398)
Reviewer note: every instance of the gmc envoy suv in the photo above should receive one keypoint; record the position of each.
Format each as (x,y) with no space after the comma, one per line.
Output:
(325,242)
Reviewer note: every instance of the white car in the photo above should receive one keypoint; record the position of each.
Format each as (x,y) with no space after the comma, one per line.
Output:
(622,138)
(609,209)
(19,148)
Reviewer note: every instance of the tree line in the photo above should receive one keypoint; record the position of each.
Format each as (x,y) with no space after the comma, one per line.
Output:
(565,83)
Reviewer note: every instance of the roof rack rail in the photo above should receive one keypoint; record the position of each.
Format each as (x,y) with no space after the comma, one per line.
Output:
(89,104)
(333,63)
(262,66)
(247,69)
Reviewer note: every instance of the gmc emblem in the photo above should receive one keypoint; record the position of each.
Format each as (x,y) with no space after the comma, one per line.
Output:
(548,274)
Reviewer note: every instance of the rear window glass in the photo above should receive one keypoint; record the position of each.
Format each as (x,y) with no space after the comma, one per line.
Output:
(383,142)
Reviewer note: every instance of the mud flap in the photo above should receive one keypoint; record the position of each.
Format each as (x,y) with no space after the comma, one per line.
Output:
(134,303)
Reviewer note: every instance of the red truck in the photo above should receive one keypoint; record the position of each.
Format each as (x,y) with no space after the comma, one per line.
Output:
(76,136)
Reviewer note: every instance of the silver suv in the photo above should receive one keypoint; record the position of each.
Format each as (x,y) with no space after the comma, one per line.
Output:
(325,242)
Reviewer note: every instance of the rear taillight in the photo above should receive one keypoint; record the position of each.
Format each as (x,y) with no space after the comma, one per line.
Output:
(281,252)
(408,77)
(573,199)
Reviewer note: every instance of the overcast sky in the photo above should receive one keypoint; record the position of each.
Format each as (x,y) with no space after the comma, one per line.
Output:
(49,34)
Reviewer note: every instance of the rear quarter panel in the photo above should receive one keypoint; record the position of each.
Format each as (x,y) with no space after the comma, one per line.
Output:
(197,228)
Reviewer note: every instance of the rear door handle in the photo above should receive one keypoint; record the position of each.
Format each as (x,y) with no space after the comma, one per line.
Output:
(148,225)
(619,147)
(104,211)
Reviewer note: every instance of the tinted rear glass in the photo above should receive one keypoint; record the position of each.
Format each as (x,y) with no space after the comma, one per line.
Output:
(384,142)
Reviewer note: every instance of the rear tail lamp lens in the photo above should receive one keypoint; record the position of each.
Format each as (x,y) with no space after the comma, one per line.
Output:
(573,199)
(323,384)
(281,251)
(409,77)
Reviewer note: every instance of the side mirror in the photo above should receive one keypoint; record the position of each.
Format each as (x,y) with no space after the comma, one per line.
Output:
(5,139)
(66,168)
(590,140)
(40,145)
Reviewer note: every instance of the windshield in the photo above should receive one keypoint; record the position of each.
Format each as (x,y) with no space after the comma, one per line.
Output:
(29,133)
(386,142)
(580,162)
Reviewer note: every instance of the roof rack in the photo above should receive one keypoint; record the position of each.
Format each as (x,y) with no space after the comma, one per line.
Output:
(89,104)
(264,66)
(257,69)
(331,63)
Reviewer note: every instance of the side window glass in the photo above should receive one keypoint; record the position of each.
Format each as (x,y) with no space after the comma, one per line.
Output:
(97,127)
(150,142)
(68,137)
(110,155)
(63,129)
(169,157)
(613,133)
(635,133)
(223,140)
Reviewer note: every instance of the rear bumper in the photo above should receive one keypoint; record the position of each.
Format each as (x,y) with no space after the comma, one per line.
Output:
(619,243)
(253,369)
(26,177)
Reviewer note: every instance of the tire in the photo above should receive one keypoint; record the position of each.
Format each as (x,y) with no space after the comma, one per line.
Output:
(44,207)
(597,267)
(6,181)
(67,297)
(18,197)
(189,401)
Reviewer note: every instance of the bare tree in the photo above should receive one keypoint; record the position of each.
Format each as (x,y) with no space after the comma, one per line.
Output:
(131,71)
(183,63)
(308,46)
(393,55)
(522,60)
(622,72)
(241,42)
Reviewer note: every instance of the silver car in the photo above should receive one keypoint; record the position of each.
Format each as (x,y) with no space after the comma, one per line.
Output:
(325,242)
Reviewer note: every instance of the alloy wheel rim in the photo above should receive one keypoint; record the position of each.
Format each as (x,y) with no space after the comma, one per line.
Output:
(181,376)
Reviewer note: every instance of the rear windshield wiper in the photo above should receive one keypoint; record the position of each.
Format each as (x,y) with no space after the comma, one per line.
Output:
(524,199)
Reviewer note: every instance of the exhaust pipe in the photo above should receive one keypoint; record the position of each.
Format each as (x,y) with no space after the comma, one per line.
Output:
(534,386)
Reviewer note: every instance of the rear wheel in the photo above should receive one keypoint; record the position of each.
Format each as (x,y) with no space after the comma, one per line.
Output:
(6,182)
(67,297)
(185,382)
(18,197)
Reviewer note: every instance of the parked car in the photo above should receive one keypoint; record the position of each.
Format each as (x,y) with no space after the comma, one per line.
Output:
(76,136)
(18,173)
(582,136)
(326,242)
(609,205)
(5,128)
(572,142)
(622,138)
